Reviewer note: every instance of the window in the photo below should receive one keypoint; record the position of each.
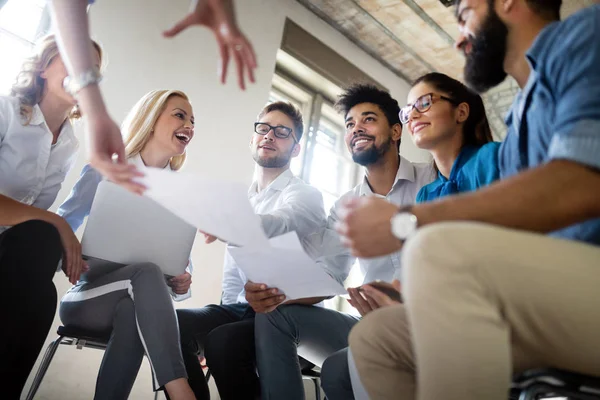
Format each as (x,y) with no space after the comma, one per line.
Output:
(324,161)
(21,23)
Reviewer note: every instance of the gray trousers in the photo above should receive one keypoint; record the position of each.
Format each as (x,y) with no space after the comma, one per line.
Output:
(314,333)
(133,304)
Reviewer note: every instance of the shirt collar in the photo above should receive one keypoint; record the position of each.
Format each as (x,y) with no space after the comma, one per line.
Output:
(138,162)
(37,118)
(406,171)
(539,44)
(278,184)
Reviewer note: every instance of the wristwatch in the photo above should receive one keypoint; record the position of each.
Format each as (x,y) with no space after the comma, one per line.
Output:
(73,85)
(404,223)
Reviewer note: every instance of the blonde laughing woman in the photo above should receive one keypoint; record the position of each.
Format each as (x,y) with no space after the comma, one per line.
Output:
(132,302)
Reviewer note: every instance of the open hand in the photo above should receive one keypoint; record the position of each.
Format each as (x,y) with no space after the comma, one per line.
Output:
(219,17)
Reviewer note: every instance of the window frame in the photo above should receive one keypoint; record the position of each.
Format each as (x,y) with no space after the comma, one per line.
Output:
(312,103)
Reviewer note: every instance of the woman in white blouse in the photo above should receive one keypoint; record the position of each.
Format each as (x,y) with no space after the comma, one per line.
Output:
(132,302)
(37,149)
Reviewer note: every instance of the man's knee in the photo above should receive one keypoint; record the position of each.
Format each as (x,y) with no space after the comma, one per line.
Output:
(283,320)
(226,344)
(372,335)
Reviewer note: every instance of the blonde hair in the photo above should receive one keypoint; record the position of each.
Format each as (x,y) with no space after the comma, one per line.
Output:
(29,85)
(139,123)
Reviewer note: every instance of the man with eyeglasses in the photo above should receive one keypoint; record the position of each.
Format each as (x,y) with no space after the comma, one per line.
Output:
(224,333)
(373,133)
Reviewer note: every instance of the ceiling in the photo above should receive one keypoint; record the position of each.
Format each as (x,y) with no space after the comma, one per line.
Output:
(414,37)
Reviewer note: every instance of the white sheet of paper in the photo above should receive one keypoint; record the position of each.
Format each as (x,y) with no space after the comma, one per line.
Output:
(283,264)
(218,208)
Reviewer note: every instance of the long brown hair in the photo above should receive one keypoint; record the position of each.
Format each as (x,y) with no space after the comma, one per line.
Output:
(29,84)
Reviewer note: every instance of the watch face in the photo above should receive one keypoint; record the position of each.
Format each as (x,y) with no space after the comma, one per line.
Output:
(403,225)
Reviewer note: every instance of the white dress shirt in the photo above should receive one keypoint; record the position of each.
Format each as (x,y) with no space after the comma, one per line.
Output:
(337,260)
(287,204)
(78,204)
(32,169)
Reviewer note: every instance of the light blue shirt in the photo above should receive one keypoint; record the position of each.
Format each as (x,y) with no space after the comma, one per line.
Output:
(557,115)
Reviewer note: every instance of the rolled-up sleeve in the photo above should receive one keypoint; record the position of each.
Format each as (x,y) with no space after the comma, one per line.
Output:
(335,258)
(302,212)
(577,83)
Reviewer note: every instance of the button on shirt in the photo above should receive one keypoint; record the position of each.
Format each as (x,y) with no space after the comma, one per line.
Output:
(557,115)
(287,204)
(337,259)
(32,169)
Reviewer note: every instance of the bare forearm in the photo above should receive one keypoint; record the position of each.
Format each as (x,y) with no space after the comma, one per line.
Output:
(13,212)
(71,22)
(544,199)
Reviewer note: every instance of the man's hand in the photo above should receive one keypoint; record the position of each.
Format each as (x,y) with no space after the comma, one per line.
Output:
(219,17)
(366,298)
(105,141)
(181,283)
(261,298)
(72,262)
(365,227)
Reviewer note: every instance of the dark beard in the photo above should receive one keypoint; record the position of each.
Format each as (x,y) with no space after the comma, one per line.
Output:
(484,66)
(372,155)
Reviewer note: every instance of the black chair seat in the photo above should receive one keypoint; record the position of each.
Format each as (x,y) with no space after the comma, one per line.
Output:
(83,334)
(564,382)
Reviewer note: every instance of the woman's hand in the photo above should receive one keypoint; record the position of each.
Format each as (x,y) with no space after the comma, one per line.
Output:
(219,17)
(72,262)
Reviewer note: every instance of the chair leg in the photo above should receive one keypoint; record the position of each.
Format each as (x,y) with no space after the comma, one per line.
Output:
(534,391)
(48,356)
(317,388)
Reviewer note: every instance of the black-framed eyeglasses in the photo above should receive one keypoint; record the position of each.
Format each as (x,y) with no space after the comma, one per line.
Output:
(422,104)
(280,131)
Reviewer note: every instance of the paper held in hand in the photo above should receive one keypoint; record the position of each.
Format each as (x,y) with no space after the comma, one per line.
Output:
(222,209)
(218,208)
(284,265)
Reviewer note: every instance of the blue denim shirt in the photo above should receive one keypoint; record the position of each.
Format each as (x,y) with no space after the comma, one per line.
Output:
(557,115)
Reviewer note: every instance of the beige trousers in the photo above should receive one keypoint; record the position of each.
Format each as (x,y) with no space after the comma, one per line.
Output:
(481,303)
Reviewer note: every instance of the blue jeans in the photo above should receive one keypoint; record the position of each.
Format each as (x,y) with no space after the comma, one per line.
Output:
(314,333)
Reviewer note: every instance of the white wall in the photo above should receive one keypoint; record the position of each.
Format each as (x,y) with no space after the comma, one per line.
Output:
(141,60)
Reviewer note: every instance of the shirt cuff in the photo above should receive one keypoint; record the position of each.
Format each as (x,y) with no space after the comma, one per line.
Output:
(581,144)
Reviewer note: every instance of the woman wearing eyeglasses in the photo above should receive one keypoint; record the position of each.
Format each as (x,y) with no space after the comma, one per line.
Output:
(447,119)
